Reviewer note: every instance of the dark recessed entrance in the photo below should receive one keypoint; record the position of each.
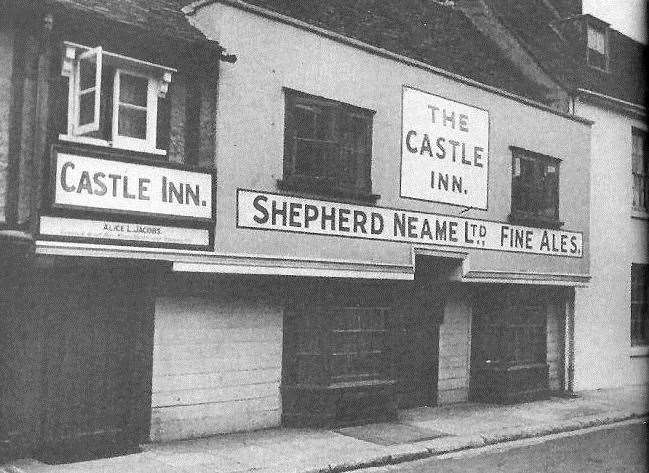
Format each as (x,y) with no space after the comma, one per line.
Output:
(96,399)
(417,347)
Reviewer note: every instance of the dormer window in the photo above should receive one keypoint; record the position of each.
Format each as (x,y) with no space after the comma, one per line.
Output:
(597,47)
(113,99)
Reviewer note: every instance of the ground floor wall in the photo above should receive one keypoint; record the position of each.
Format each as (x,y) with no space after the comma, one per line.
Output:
(216,362)
(211,351)
(604,356)
(455,340)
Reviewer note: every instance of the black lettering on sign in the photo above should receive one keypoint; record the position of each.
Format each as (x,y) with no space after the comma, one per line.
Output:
(377,224)
(64,170)
(257,204)
(399,227)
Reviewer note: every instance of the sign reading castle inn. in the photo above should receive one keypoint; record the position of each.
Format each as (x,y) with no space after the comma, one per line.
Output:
(148,202)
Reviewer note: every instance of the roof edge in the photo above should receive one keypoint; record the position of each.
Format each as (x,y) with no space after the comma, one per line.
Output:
(618,104)
(194,7)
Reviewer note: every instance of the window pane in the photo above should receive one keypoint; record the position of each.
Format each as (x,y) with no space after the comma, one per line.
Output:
(597,40)
(133,90)
(311,158)
(132,122)
(535,185)
(87,108)
(87,74)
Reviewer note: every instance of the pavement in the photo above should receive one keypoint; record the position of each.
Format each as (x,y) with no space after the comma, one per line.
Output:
(415,434)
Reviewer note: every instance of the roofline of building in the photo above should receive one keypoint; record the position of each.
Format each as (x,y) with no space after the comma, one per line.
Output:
(612,102)
(193,7)
(68,11)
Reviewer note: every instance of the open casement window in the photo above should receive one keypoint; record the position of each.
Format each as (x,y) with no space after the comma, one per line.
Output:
(535,189)
(87,92)
(114,100)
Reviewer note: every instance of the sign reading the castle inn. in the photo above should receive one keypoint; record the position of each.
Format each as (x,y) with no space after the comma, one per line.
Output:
(444,150)
(155,192)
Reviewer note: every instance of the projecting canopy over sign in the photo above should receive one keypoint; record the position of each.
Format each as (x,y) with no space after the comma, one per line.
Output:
(444,150)
(266,211)
(83,182)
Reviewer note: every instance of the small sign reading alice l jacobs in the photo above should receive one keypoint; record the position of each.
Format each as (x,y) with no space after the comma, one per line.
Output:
(257,210)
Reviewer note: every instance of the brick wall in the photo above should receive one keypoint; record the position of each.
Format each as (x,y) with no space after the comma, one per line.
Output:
(454,351)
(216,365)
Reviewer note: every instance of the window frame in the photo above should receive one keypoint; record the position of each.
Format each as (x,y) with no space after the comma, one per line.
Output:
(158,76)
(598,29)
(128,142)
(640,175)
(535,218)
(639,271)
(77,128)
(359,187)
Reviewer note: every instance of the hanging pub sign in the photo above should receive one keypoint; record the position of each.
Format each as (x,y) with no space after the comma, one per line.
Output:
(444,150)
(107,198)
(266,211)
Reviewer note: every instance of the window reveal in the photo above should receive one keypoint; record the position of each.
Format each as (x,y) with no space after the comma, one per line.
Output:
(535,188)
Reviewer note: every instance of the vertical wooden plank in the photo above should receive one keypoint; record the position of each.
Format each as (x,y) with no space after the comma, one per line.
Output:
(42,117)
(142,366)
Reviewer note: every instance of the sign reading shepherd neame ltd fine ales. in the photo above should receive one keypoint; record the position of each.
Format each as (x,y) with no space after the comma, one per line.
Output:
(102,184)
(444,150)
(266,211)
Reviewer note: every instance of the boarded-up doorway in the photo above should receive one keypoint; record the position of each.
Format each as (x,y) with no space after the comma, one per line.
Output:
(97,373)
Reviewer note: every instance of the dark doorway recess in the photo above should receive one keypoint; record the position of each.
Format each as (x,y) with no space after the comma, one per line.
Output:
(509,344)
(98,357)
(417,360)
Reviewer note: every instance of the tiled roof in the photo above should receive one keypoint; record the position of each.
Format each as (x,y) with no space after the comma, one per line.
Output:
(626,79)
(553,44)
(161,17)
(423,30)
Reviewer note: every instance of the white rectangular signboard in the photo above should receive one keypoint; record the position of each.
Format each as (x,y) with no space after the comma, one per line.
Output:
(102,184)
(111,230)
(444,150)
(260,210)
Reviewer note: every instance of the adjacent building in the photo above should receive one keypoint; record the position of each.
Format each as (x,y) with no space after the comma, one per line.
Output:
(106,147)
(600,74)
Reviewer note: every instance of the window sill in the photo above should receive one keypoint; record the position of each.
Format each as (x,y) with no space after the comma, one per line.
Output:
(639,351)
(534,221)
(107,144)
(325,188)
(640,214)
